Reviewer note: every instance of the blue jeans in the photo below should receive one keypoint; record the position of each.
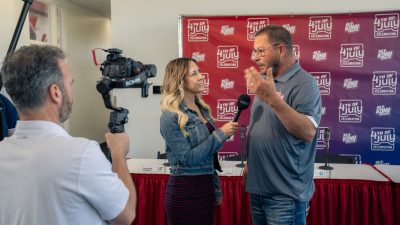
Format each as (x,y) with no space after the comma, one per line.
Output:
(277,210)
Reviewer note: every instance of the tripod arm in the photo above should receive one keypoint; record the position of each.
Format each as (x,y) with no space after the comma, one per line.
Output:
(20,24)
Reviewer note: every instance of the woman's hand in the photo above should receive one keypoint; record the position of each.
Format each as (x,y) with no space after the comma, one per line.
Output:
(229,128)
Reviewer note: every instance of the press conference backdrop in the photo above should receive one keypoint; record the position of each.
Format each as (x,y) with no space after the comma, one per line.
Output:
(355,59)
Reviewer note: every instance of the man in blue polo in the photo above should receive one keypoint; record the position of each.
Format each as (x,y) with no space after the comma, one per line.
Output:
(282,138)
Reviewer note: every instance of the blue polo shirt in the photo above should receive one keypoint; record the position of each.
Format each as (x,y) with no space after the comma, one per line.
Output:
(278,162)
(10,114)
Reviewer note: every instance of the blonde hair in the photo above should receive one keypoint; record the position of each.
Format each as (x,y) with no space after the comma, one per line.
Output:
(173,91)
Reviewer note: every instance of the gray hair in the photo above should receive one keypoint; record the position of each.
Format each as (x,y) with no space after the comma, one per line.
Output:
(278,35)
(28,73)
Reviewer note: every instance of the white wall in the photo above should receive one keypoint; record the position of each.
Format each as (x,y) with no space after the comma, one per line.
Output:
(82,31)
(147,30)
(85,30)
(9,14)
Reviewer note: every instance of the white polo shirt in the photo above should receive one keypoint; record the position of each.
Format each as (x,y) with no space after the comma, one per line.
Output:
(48,177)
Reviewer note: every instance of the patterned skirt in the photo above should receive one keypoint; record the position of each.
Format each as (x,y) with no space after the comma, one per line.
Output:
(190,200)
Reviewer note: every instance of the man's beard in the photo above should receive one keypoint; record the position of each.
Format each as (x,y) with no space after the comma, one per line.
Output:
(66,108)
(274,63)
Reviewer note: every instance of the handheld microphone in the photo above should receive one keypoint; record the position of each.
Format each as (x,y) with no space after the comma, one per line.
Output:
(243,102)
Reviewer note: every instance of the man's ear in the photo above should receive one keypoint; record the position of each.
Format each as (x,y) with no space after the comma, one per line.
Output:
(55,94)
(282,51)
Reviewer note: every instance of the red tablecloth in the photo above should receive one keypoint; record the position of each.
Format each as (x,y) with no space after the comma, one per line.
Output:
(335,202)
(392,172)
(396,202)
(351,202)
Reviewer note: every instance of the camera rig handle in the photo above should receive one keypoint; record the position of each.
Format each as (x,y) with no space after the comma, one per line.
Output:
(118,115)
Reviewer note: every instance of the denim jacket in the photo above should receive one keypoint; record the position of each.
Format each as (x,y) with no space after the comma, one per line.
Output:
(191,155)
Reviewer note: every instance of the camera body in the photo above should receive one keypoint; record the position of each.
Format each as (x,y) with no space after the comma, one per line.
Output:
(121,72)
(118,67)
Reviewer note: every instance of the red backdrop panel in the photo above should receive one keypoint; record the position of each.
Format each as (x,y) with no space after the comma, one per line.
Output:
(355,59)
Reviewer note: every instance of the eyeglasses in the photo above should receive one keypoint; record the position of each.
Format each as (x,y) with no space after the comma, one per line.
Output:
(260,52)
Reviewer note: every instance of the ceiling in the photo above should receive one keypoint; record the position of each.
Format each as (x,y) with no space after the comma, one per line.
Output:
(103,7)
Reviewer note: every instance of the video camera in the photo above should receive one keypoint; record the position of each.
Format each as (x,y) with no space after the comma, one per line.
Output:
(125,72)
(121,72)
(116,66)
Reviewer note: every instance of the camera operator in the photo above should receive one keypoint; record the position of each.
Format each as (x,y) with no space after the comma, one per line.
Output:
(47,176)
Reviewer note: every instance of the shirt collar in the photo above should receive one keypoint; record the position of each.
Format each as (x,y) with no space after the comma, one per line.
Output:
(38,126)
(289,73)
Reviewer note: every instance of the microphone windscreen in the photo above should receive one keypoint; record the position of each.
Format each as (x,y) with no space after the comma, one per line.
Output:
(243,101)
(327,134)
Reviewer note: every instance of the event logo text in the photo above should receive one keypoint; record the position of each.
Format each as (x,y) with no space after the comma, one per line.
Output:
(198,29)
(228,56)
(199,57)
(226,109)
(227,84)
(384,54)
(382,138)
(351,27)
(384,83)
(324,82)
(386,25)
(206,83)
(351,55)
(227,30)
(290,28)
(382,110)
(349,83)
(254,25)
(319,56)
(320,27)
(350,111)
(348,138)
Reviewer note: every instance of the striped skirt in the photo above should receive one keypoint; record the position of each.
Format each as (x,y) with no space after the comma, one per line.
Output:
(190,200)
